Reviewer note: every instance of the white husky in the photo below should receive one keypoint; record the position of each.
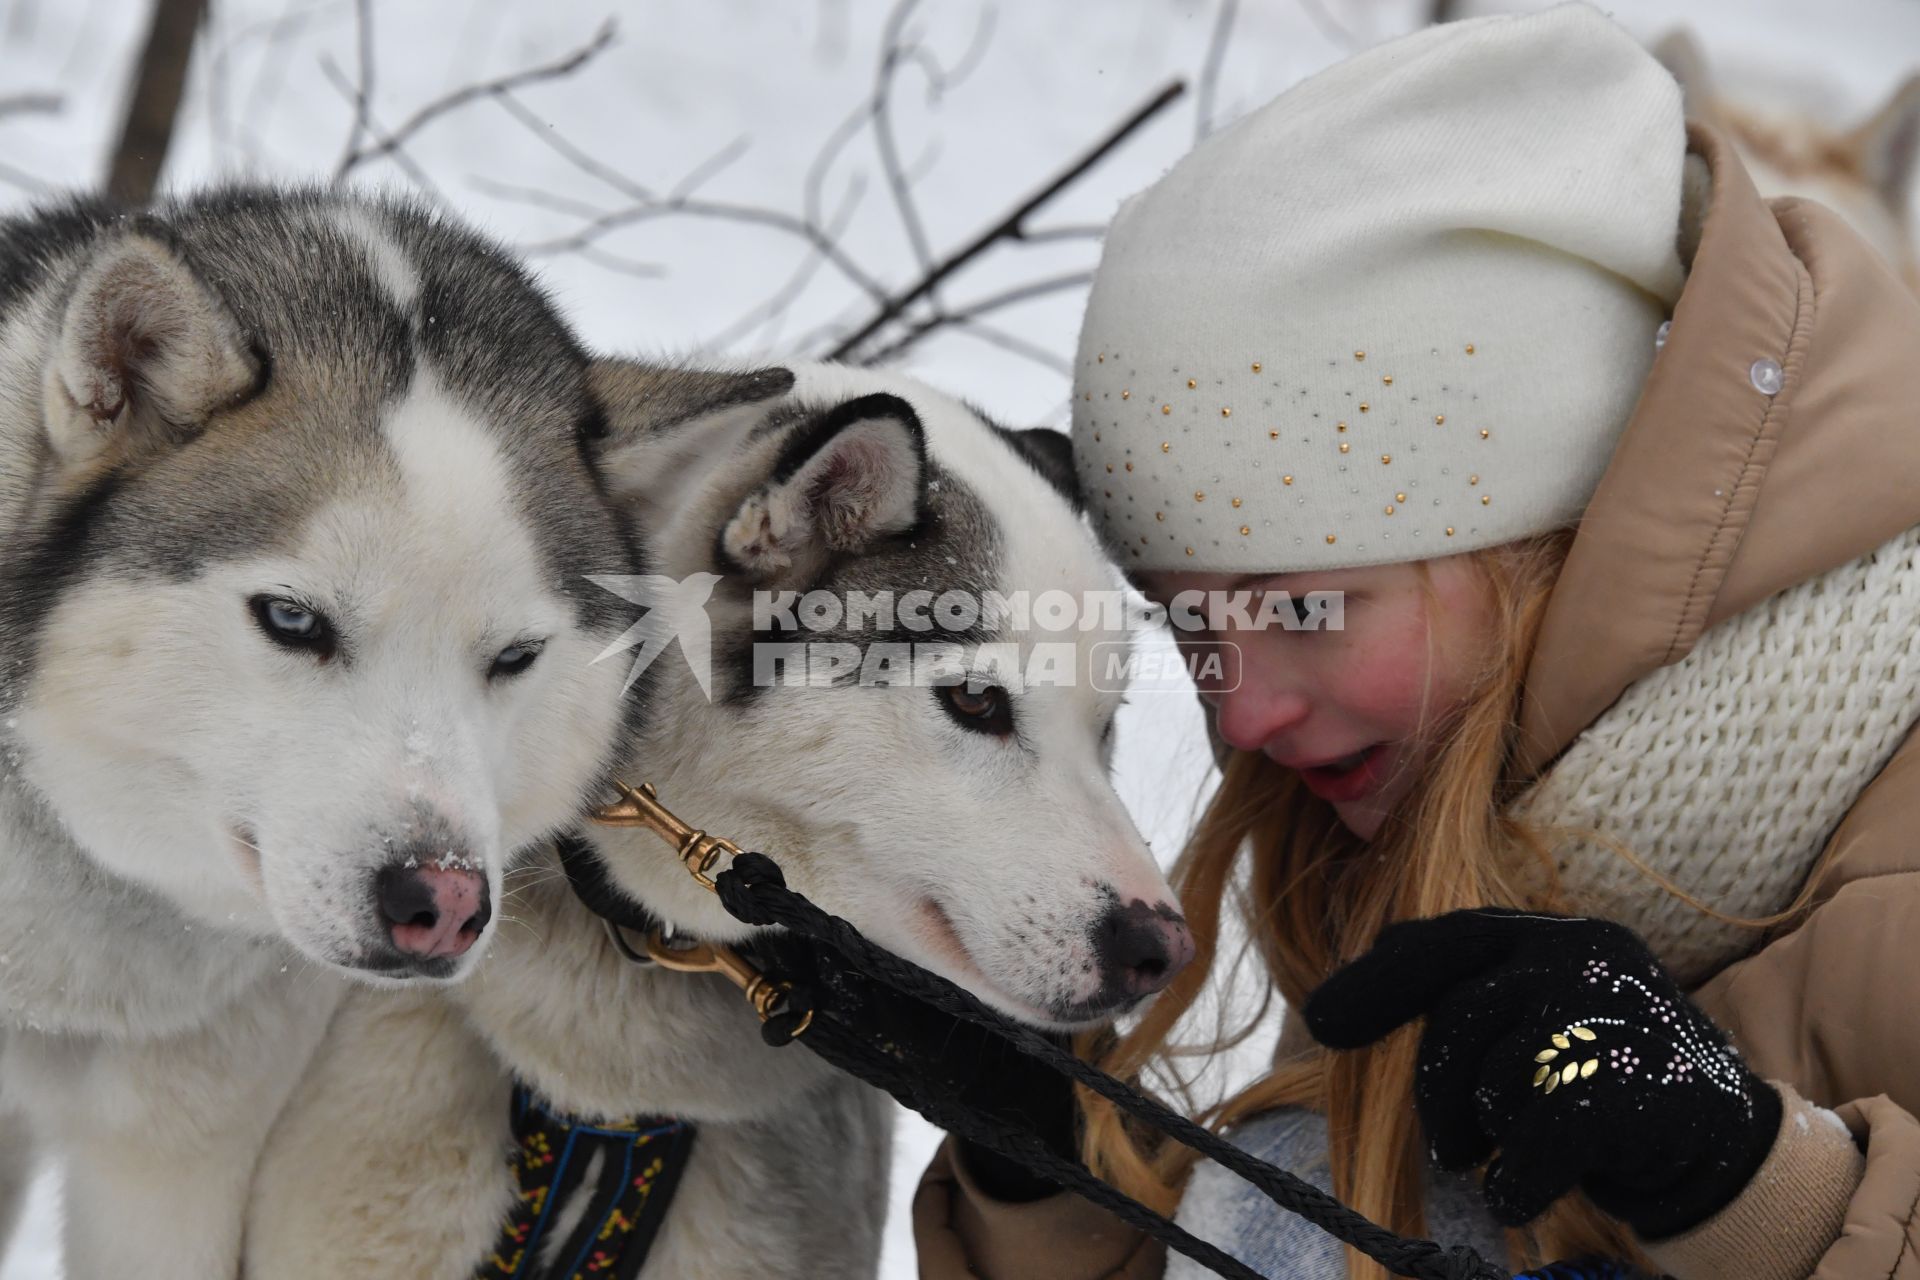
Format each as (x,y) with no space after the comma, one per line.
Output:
(298,508)
(971,828)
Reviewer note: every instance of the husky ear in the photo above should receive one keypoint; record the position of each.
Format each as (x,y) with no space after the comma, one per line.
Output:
(639,406)
(854,474)
(1889,145)
(1680,53)
(146,353)
(1050,453)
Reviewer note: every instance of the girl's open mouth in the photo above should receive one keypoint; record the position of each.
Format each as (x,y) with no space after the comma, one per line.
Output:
(1348,778)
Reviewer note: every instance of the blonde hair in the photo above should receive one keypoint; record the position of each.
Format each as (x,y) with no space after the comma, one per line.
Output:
(1315,895)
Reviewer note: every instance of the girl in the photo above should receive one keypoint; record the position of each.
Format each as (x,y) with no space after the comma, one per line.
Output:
(1617,467)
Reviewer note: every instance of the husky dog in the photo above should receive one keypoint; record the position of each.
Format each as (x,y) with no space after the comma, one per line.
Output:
(1868,173)
(970,827)
(298,507)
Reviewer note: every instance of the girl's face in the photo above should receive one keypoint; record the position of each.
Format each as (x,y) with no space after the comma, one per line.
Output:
(1353,711)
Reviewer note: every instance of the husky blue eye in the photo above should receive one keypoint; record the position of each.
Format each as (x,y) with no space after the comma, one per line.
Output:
(513,659)
(293,625)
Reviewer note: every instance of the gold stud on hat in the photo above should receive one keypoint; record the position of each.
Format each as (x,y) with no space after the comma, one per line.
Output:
(1364,406)
(1245,530)
(1330,536)
(1126,395)
(1439,419)
(1286,479)
(1485,498)
(1166,446)
(1191,384)
(1484,433)
(1256,366)
(1273,435)
(1199,496)
(1386,380)
(1166,408)
(1189,550)
(1160,515)
(1389,508)
(1449,532)
(1385,458)
(1469,348)
(1344,446)
(1358,355)
(1225,412)
(1236,502)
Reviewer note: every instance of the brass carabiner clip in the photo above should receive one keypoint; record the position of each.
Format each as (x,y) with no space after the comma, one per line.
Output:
(641,807)
(708,957)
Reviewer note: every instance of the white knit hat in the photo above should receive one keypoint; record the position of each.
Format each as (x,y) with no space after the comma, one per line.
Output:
(1401,311)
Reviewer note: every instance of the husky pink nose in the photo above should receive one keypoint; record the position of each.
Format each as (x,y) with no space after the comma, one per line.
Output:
(432,911)
(1141,948)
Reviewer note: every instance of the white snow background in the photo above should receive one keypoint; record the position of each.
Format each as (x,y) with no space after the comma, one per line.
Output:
(736,98)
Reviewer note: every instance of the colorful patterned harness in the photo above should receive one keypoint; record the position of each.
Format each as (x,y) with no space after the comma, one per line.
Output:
(621,1197)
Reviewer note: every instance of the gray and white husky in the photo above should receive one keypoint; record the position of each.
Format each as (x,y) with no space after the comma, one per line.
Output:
(298,506)
(970,828)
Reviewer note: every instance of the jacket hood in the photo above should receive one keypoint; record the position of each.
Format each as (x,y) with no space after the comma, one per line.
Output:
(1719,494)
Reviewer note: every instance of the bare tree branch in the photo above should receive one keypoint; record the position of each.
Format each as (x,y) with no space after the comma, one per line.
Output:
(893,50)
(573,155)
(1007,227)
(159,80)
(21,179)
(986,306)
(270,76)
(1330,27)
(1210,69)
(1015,344)
(775,308)
(23,104)
(362,86)
(389,146)
(1047,235)
(460,97)
(708,169)
(534,197)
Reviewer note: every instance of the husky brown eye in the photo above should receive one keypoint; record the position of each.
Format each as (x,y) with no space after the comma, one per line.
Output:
(293,625)
(986,710)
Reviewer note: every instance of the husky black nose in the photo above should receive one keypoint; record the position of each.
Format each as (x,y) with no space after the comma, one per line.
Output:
(432,911)
(1140,948)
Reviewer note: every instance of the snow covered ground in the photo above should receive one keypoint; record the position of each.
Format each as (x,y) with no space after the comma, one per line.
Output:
(761,86)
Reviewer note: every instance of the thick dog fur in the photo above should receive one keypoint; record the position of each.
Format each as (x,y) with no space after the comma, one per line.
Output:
(237,405)
(987,858)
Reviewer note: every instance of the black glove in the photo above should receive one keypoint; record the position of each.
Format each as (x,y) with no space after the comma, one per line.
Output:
(1562,1044)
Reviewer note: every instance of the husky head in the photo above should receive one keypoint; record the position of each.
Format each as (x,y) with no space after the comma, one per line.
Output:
(933,772)
(296,610)
(1868,173)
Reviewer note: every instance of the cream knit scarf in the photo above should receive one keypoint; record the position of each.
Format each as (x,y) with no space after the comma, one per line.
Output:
(1728,771)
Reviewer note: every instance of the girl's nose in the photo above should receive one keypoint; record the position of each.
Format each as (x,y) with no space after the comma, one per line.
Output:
(1250,715)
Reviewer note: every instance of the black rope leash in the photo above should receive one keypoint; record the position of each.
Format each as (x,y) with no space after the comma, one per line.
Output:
(802,992)
(754,891)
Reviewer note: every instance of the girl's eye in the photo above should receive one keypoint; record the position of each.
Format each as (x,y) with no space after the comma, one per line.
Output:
(987,710)
(512,660)
(293,625)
